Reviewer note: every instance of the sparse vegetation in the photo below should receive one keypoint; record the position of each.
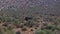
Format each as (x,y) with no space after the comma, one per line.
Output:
(30,23)
(29,17)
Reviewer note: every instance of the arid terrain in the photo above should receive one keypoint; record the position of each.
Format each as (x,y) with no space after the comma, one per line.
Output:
(29,16)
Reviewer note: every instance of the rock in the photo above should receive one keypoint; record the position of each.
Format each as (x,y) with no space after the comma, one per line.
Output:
(18,32)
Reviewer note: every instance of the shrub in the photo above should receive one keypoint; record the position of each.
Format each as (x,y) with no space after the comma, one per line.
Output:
(0,31)
(29,23)
(8,19)
(0,18)
(10,32)
(10,28)
(15,21)
(44,32)
(51,27)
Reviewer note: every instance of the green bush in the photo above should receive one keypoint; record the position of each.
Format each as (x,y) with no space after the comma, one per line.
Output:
(0,18)
(10,28)
(30,23)
(52,27)
(8,19)
(15,21)
(11,32)
(44,32)
(0,31)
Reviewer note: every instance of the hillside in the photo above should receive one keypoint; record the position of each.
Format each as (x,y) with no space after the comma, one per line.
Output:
(29,16)
(39,6)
